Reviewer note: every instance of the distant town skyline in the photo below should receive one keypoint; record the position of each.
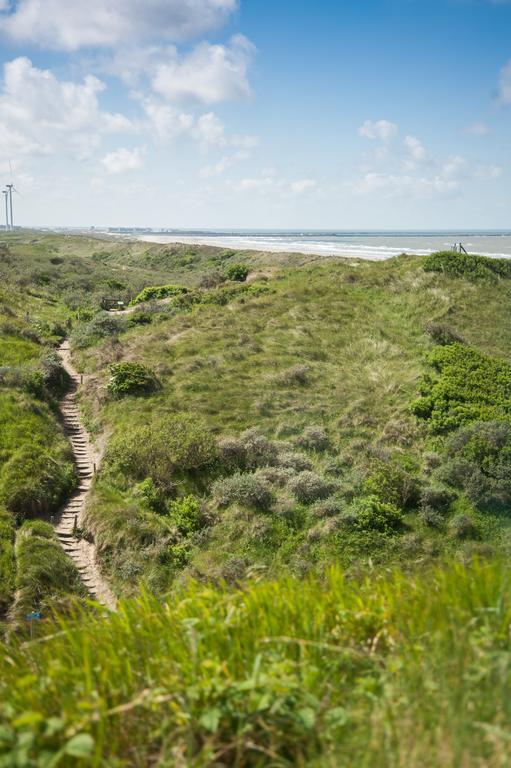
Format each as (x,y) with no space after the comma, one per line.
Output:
(376,114)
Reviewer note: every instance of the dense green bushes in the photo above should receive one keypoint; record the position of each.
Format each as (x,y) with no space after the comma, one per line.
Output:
(468,387)
(237,272)
(167,449)
(130,378)
(158,292)
(470,265)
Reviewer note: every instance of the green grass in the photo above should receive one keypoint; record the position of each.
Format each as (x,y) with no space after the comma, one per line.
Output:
(385,672)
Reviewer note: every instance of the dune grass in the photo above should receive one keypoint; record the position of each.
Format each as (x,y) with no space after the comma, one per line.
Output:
(389,671)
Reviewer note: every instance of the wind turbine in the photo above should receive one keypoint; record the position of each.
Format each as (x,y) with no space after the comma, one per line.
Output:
(10,187)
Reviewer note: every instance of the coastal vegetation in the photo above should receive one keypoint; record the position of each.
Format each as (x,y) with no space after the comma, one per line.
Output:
(303,505)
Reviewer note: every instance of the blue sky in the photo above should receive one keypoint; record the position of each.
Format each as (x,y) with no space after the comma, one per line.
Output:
(290,114)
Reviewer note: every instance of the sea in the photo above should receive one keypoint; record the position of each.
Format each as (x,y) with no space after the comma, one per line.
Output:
(375,245)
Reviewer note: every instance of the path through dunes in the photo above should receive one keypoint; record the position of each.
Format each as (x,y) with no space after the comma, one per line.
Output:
(86,457)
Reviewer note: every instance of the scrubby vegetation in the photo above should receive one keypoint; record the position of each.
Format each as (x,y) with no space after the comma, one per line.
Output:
(390,670)
(338,413)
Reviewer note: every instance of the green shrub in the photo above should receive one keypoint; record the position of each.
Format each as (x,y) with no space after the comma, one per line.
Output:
(308,487)
(131,378)
(248,489)
(232,453)
(7,563)
(392,483)
(371,514)
(157,292)
(35,481)
(186,514)
(237,272)
(294,460)
(468,387)
(259,451)
(314,438)
(470,266)
(140,318)
(102,325)
(150,495)
(479,464)
(463,526)
(437,497)
(165,450)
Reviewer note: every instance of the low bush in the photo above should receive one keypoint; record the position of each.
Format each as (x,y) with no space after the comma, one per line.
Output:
(102,325)
(463,526)
(237,272)
(468,387)
(130,378)
(371,514)
(259,451)
(158,292)
(392,483)
(470,266)
(167,449)
(479,464)
(314,438)
(248,489)
(329,507)
(294,460)
(437,498)
(308,487)
(232,453)
(35,481)
(186,514)
(140,318)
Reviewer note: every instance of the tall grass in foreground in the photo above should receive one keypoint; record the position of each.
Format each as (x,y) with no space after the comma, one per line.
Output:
(394,671)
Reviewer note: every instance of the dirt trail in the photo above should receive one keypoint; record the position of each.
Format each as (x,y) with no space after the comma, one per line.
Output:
(87,459)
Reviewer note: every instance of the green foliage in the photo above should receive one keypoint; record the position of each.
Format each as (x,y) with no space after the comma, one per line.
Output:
(247,489)
(158,292)
(7,563)
(100,326)
(237,272)
(479,464)
(314,438)
(185,513)
(130,378)
(470,266)
(165,450)
(371,514)
(392,483)
(442,334)
(293,672)
(468,387)
(308,486)
(44,572)
(35,481)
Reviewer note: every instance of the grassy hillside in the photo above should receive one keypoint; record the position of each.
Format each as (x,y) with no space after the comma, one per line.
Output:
(308,381)
(390,671)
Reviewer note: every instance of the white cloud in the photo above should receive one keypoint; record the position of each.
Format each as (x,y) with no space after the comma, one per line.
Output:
(123,160)
(381,129)
(477,129)
(226,162)
(40,114)
(269,182)
(73,24)
(415,148)
(301,186)
(406,185)
(504,91)
(164,121)
(209,74)
(455,167)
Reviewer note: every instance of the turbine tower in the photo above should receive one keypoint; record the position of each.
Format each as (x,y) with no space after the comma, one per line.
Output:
(10,187)
(5,193)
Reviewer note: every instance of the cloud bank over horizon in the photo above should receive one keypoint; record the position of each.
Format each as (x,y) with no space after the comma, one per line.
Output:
(189,113)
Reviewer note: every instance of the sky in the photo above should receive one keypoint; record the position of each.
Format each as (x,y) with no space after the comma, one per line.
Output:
(302,114)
